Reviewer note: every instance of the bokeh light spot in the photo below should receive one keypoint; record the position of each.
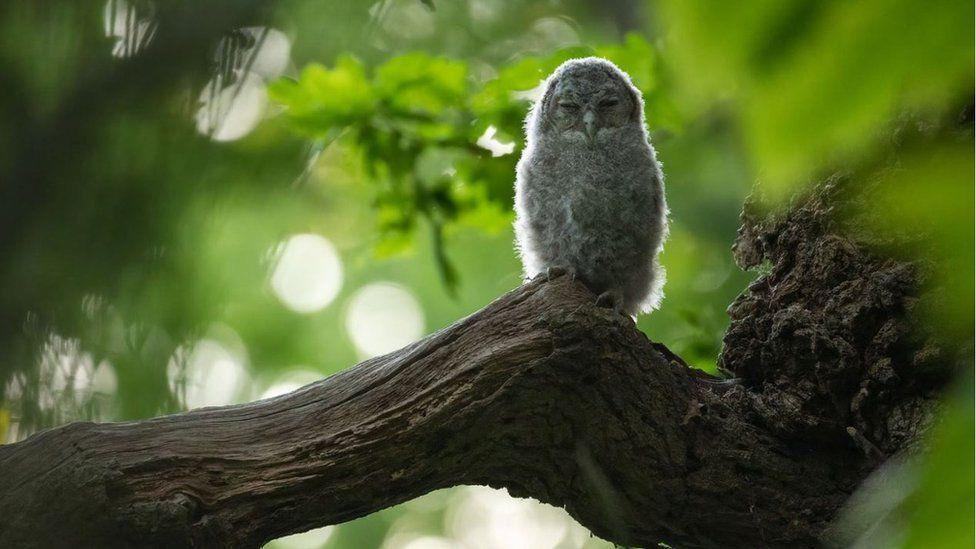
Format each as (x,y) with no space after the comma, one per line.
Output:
(419,542)
(533,94)
(104,380)
(313,539)
(271,53)
(291,381)
(308,273)
(487,141)
(132,27)
(228,113)
(486,518)
(383,317)
(212,372)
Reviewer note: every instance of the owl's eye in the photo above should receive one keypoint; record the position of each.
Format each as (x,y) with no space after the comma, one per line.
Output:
(606,103)
(569,106)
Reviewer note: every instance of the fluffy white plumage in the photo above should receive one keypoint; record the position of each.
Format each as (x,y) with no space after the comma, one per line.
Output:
(589,192)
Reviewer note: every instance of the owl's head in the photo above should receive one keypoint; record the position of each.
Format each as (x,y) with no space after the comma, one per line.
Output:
(588,99)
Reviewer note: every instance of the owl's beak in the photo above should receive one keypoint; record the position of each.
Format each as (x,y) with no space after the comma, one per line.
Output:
(589,125)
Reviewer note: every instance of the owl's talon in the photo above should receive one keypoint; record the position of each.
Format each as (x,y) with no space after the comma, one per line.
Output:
(611,300)
(552,273)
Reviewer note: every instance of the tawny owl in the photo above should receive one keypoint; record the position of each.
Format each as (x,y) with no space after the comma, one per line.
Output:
(589,192)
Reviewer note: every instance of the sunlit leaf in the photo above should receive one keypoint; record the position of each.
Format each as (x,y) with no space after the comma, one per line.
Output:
(323,98)
(417,82)
(636,57)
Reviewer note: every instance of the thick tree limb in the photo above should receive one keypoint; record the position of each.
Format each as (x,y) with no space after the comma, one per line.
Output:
(542,393)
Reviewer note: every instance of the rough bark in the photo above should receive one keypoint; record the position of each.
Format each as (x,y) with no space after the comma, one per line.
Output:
(547,395)
(832,340)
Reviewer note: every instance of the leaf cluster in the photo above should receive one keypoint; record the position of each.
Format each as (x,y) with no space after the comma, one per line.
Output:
(419,124)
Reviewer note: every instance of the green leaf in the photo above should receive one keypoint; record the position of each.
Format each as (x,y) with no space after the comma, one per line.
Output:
(944,213)
(816,83)
(419,83)
(324,98)
(499,94)
(636,57)
(859,63)
(393,244)
(941,510)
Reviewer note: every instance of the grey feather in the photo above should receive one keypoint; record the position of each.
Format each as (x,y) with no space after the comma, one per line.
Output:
(589,191)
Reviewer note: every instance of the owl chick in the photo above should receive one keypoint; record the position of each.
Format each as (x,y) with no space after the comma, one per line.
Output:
(589,192)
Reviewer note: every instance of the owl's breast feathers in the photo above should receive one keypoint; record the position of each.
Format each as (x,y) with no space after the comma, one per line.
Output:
(593,221)
(617,199)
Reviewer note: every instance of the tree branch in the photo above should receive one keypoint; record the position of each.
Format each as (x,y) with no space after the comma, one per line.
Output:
(545,394)
(541,392)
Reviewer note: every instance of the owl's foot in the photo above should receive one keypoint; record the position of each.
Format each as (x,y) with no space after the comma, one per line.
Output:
(611,300)
(552,273)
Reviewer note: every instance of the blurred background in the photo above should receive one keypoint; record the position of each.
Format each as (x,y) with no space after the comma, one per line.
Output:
(210,203)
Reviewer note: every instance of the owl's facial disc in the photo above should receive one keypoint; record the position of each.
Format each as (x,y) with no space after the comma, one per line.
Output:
(584,107)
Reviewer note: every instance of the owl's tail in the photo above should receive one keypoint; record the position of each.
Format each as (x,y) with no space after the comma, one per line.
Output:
(655,294)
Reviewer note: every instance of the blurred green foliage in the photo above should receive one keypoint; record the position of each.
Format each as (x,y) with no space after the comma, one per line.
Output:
(129,234)
(415,125)
(940,513)
(819,82)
